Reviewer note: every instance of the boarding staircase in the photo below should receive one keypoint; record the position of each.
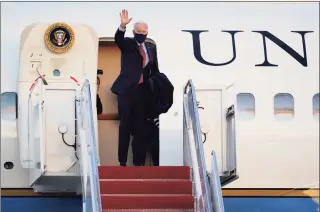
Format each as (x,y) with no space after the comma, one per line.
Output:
(146,188)
(164,188)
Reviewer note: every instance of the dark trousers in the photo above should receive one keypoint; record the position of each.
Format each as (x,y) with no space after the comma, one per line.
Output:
(153,141)
(131,108)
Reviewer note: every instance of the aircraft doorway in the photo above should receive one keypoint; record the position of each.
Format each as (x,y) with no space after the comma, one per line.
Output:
(108,122)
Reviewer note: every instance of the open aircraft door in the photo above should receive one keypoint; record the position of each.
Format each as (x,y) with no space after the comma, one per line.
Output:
(216,107)
(229,166)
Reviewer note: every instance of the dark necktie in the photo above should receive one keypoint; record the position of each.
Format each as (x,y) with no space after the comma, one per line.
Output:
(143,54)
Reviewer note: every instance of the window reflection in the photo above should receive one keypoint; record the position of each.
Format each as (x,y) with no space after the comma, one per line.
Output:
(9,106)
(283,106)
(246,106)
(315,105)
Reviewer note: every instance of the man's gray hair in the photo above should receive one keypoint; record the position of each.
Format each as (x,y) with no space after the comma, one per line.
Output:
(139,22)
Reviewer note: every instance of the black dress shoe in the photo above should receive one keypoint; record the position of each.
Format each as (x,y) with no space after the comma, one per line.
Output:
(138,164)
(123,164)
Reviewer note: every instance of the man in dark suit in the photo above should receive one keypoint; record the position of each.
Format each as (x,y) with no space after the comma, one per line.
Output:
(138,62)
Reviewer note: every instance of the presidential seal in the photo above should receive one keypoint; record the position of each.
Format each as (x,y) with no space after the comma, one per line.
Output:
(59,37)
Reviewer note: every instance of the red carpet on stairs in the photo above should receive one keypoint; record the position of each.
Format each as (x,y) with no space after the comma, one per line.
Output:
(146,188)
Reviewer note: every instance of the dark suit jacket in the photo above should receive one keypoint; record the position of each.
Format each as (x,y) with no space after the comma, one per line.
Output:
(131,64)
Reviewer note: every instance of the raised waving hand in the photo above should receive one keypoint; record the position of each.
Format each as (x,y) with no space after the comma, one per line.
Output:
(124,18)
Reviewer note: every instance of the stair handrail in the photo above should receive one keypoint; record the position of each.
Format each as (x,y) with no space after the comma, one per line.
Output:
(34,158)
(82,151)
(90,142)
(215,185)
(193,127)
(94,159)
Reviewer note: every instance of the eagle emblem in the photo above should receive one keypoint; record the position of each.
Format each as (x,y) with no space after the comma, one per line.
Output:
(59,37)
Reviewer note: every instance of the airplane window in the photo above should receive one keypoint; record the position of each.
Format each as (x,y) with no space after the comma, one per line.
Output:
(246,106)
(315,103)
(9,106)
(283,106)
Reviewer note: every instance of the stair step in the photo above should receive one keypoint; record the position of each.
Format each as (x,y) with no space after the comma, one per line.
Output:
(147,201)
(144,172)
(146,187)
(148,210)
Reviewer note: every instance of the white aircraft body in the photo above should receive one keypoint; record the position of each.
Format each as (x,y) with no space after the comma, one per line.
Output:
(263,58)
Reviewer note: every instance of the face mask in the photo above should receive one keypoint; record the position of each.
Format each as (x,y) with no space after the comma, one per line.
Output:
(140,38)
